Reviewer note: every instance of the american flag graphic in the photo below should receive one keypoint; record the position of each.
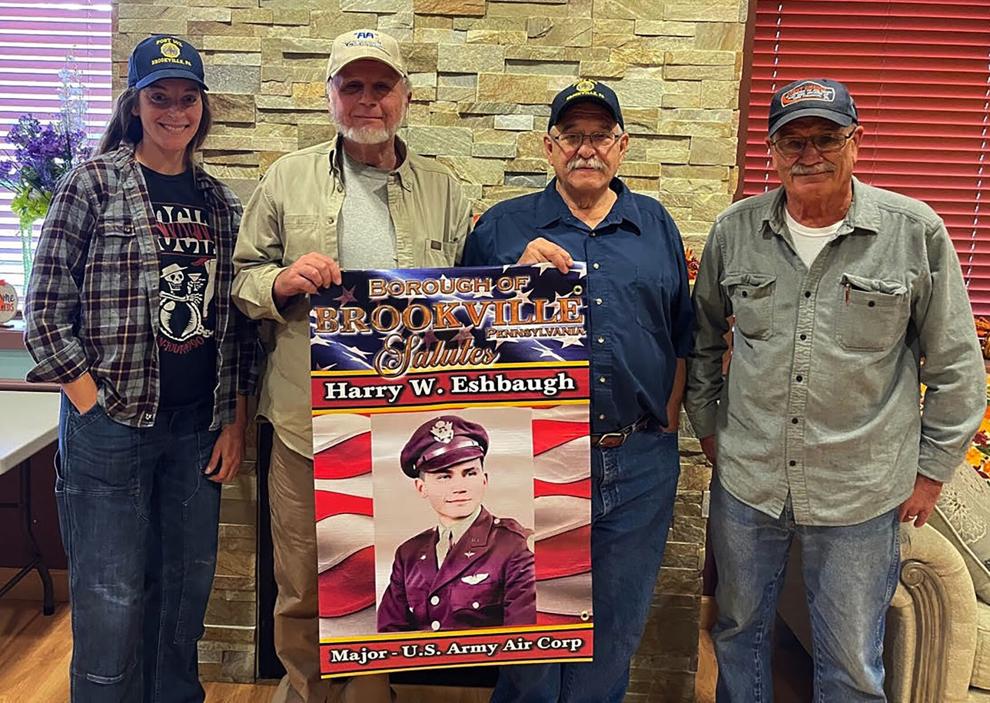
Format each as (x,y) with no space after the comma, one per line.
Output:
(342,446)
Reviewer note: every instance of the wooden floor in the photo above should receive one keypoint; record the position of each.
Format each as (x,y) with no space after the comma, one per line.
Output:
(35,651)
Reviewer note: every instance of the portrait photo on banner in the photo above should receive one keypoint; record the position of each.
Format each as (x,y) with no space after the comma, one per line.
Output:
(403,511)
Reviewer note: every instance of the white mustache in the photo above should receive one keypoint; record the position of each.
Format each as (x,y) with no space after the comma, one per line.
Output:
(594,162)
(799,170)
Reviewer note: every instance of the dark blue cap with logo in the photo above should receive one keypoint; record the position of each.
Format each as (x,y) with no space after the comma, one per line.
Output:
(820,97)
(585,91)
(163,56)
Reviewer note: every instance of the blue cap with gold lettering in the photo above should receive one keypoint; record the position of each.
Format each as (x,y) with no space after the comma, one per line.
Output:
(163,56)
(442,442)
(585,90)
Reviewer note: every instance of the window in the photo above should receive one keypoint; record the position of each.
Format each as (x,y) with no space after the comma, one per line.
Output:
(920,73)
(36,39)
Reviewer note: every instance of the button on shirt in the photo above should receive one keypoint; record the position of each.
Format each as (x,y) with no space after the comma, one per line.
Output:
(638,306)
(822,396)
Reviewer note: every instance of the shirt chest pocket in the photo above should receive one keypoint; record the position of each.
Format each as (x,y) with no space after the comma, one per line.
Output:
(651,303)
(873,313)
(752,296)
(480,598)
(113,266)
(437,253)
(303,234)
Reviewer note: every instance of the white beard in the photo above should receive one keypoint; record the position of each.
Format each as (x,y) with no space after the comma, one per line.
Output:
(365,135)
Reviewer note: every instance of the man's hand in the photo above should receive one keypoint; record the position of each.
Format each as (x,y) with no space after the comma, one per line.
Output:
(307,274)
(922,501)
(540,250)
(708,447)
(228,451)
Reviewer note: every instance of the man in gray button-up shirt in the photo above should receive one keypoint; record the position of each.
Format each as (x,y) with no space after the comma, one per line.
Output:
(838,290)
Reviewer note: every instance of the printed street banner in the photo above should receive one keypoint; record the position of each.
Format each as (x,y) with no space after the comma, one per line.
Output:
(452,468)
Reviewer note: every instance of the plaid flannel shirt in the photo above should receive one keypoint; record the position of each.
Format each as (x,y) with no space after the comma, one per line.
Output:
(92,301)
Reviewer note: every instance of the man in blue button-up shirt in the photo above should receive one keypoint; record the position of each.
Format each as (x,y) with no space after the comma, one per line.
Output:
(640,325)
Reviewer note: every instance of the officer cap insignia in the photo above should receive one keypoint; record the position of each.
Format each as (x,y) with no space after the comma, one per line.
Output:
(443,431)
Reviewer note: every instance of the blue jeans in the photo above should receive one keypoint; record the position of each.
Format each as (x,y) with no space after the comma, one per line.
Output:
(850,574)
(631,508)
(139,523)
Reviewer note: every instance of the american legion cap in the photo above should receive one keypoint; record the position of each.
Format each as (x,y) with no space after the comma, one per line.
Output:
(819,97)
(585,91)
(441,442)
(163,56)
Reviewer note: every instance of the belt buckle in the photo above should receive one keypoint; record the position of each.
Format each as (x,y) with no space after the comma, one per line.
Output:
(611,440)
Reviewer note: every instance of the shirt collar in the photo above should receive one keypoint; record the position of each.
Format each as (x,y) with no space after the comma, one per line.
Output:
(553,208)
(863,213)
(459,527)
(403,173)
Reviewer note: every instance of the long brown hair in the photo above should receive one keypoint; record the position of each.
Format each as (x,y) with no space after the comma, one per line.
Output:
(125,126)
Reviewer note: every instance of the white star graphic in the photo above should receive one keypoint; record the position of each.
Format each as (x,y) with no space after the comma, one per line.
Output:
(346,296)
(524,296)
(543,266)
(360,353)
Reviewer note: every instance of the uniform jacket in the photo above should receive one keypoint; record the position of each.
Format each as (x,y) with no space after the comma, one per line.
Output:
(487,580)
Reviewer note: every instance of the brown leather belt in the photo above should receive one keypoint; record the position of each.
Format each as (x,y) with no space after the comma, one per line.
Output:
(611,440)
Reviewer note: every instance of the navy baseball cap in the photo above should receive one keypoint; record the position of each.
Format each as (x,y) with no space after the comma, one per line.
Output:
(819,97)
(585,91)
(163,56)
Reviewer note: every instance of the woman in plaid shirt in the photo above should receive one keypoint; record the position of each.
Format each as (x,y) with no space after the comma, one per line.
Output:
(128,308)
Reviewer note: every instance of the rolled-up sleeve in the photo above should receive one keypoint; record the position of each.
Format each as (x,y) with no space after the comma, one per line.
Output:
(51,309)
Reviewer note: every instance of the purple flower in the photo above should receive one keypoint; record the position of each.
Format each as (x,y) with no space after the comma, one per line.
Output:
(42,154)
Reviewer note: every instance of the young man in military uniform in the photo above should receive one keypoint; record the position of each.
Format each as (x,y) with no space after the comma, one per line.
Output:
(473,569)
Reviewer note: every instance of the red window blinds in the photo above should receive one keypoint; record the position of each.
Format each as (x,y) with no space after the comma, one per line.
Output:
(36,37)
(919,71)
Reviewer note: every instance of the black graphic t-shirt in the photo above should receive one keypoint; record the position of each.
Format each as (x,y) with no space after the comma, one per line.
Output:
(187,260)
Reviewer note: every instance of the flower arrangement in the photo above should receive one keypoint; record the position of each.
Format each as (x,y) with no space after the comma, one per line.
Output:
(42,154)
(978,455)
(983,332)
(692,264)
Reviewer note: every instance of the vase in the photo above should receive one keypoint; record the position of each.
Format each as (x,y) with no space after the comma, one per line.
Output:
(26,232)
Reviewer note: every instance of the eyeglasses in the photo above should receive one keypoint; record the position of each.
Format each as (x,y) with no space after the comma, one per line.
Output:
(572,141)
(823,143)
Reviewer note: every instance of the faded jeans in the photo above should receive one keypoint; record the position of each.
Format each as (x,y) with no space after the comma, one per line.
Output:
(850,573)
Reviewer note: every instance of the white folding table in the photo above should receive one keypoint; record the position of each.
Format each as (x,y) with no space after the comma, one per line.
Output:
(29,423)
